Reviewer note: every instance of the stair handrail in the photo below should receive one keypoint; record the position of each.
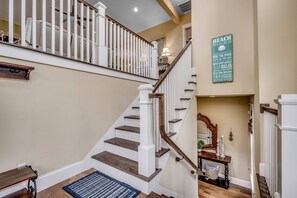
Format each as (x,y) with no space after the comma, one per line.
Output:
(163,77)
(160,96)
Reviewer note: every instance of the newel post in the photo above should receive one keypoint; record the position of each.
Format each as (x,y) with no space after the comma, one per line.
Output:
(146,149)
(155,68)
(101,50)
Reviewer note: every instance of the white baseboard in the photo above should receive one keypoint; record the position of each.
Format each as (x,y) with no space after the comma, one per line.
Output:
(240,182)
(50,179)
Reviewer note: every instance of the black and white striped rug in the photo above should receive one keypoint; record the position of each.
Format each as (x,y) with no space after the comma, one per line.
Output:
(102,186)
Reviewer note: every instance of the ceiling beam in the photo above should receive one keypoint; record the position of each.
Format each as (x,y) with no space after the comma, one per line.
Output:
(170,10)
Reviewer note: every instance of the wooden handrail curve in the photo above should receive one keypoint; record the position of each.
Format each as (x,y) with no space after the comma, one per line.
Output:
(167,139)
(127,29)
(159,82)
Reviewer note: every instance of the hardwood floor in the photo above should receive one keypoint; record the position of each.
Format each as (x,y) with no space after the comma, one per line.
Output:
(205,190)
(210,191)
(58,192)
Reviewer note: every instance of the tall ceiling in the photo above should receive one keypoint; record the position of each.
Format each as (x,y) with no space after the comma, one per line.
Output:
(149,14)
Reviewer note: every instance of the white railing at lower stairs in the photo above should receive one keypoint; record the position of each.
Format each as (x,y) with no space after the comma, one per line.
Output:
(77,30)
(175,85)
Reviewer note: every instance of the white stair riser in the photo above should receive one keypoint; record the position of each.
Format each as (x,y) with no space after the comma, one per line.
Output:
(139,184)
(174,126)
(127,153)
(132,122)
(180,114)
(194,79)
(135,111)
(184,103)
(191,86)
(128,135)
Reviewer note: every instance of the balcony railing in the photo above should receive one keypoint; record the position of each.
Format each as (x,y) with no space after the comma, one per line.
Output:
(77,30)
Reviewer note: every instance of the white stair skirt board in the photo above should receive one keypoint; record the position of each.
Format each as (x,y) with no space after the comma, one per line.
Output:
(99,147)
(128,135)
(49,179)
(127,153)
(132,122)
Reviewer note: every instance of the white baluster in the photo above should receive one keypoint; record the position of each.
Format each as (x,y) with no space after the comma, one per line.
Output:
(118,48)
(61,28)
(68,29)
(93,37)
(110,43)
(128,52)
(53,27)
(34,24)
(114,46)
(23,22)
(44,25)
(11,21)
(81,31)
(88,35)
(155,60)
(75,30)
(125,51)
(122,49)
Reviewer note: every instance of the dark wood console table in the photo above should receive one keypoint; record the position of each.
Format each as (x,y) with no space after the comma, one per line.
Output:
(222,182)
(15,176)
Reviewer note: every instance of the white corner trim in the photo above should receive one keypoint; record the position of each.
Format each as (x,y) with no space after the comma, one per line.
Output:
(240,182)
(49,179)
(184,33)
(30,55)
(286,128)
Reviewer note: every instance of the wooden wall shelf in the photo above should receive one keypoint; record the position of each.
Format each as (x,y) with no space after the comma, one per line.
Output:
(9,70)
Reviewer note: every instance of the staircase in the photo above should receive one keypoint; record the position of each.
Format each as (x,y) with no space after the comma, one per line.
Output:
(119,156)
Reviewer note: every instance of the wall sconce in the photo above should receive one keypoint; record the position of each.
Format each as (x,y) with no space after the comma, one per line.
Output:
(231,135)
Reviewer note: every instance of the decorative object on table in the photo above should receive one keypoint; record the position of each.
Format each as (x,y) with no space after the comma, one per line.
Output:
(212,171)
(200,145)
(1,35)
(222,59)
(222,153)
(218,147)
(231,135)
(98,182)
(164,56)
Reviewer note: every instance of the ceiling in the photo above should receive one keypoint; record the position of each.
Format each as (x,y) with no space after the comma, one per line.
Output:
(149,14)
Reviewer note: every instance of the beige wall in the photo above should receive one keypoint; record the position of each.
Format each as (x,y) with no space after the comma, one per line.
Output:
(213,18)
(177,176)
(58,116)
(231,112)
(171,31)
(277,30)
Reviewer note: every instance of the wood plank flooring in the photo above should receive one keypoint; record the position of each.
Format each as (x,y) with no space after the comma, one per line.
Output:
(205,190)
(210,191)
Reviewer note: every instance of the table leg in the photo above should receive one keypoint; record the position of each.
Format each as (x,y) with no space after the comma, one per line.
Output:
(200,163)
(227,175)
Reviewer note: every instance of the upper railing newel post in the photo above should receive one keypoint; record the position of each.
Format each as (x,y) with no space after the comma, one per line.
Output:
(146,149)
(101,49)
(155,70)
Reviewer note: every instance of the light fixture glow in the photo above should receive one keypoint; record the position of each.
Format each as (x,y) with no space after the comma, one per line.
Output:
(135,9)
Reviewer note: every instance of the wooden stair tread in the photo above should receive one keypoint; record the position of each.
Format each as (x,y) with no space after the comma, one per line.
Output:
(161,152)
(194,75)
(185,98)
(170,134)
(128,144)
(124,164)
(192,82)
(180,109)
(175,120)
(129,129)
(23,193)
(135,107)
(154,195)
(134,117)
(15,176)
(189,90)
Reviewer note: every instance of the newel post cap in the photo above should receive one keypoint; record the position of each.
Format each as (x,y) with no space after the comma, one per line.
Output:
(147,87)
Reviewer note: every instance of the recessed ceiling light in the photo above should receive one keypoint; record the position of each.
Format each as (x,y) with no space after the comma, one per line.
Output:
(135,9)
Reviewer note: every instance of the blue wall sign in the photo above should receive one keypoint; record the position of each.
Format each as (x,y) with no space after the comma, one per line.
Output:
(222,59)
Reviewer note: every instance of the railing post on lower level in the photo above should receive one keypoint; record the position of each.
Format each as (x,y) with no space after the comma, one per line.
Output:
(155,69)
(101,49)
(146,149)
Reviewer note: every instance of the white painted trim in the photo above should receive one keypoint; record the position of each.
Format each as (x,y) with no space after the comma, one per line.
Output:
(21,53)
(49,179)
(184,32)
(240,182)
(287,128)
